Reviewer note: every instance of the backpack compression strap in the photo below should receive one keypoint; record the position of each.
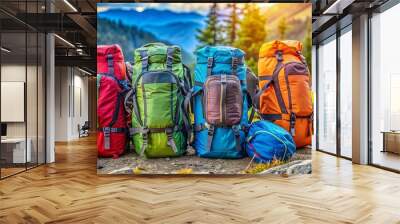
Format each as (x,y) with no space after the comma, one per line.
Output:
(146,131)
(107,132)
(109,129)
(187,87)
(236,132)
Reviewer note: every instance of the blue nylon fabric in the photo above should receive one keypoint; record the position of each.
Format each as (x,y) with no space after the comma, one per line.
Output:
(223,144)
(263,139)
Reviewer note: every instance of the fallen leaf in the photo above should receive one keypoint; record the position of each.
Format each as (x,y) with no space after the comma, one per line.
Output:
(185,171)
(137,170)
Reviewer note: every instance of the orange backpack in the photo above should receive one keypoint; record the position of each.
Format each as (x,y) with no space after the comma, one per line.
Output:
(285,94)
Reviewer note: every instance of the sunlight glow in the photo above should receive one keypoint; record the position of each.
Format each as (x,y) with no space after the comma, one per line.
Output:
(139,9)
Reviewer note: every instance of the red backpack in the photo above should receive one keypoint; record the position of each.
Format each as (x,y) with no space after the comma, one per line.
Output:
(111,89)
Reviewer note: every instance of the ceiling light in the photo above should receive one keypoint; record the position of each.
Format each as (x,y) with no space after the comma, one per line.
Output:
(65,41)
(5,50)
(84,71)
(70,5)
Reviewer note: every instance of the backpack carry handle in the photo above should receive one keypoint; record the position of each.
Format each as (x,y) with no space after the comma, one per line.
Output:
(154,44)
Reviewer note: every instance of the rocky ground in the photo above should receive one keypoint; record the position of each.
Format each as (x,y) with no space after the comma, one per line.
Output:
(131,163)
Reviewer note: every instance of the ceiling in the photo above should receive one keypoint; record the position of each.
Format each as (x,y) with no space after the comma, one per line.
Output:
(74,22)
(331,15)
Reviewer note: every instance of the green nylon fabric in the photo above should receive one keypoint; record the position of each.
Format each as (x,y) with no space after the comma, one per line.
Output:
(161,101)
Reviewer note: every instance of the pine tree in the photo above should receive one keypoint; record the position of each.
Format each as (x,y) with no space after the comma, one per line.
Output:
(210,35)
(282,28)
(251,34)
(232,23)
(307,43)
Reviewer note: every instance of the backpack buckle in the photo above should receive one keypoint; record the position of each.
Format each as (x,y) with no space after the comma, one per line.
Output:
(279,56)
(106,131)
(168,131)
(145,135)
(236,129)
(223,79)
(210,129)
(292,124)
(171,142)
(107,142)
(235,62)
(145,131)
(210,61)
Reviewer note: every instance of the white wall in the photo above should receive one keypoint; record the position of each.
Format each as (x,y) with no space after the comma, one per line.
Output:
(61,103)
(71,94)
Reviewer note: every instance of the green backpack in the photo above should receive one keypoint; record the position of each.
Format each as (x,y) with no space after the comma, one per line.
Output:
(160,122)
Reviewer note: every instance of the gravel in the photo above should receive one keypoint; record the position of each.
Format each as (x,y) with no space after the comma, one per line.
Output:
(131,163)
(291,168)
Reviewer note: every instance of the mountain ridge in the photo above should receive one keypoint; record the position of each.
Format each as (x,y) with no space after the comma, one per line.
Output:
(109,32)
(149,16)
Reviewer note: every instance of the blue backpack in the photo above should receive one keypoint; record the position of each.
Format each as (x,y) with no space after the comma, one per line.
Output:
(267,141)
(220,102)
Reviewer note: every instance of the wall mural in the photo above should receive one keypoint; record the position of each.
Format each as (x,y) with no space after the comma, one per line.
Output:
(218,88)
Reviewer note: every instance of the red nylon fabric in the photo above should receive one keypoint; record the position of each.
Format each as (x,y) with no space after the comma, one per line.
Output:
(108,102)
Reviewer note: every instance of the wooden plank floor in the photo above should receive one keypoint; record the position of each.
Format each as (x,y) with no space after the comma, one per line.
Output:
(69,191)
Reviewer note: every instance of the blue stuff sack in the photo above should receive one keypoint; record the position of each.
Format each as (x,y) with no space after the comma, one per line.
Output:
(267,141)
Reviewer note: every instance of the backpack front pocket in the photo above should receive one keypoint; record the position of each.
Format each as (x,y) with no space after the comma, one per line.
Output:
(160,99)
(223,100)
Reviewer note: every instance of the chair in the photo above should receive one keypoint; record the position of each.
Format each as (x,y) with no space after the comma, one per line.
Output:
(84,130)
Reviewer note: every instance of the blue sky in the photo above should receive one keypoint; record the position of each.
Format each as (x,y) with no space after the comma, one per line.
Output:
(201,8)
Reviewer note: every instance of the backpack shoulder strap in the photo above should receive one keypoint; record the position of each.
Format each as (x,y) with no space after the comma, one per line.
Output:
(170,58)
(144,58)
(210,64)
(110,64)
(271,80)
(235,62)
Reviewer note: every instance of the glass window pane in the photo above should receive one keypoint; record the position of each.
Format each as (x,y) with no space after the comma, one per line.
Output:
(385,86)
(13,87)
(346,94)
(327,96)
